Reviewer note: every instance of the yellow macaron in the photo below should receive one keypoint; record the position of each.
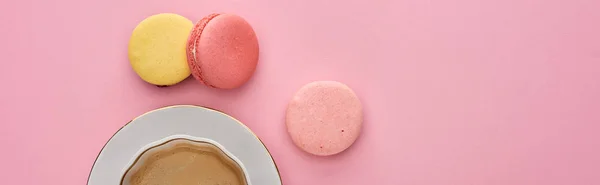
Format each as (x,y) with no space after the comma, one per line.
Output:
(157,49)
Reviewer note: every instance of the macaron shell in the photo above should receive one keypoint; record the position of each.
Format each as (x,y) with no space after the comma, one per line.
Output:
(191,47)
(324,118)
(157,49)
(226,52)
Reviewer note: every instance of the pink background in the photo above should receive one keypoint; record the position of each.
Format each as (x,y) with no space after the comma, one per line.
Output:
(458,92)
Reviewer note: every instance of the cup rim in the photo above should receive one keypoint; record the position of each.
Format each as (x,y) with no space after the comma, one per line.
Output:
(103,171)
(168,139)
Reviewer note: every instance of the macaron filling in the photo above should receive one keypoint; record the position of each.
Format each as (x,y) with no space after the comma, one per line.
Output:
(193,42)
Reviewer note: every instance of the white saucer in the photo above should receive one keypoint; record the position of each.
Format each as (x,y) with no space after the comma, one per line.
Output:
(184,120)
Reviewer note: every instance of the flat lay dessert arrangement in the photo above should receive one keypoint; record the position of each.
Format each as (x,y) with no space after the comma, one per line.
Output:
(306,92)
(196,145)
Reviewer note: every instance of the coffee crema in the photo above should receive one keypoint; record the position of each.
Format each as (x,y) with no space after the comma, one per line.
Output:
(184,162)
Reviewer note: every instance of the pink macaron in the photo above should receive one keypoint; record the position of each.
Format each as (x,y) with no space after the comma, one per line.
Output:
(324,118)
(222,51)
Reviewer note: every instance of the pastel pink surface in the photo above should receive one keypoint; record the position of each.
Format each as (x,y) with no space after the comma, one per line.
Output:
(324,117)
(226,51)
(490,92)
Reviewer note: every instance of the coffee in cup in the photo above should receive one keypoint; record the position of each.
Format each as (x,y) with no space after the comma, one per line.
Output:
(184,162)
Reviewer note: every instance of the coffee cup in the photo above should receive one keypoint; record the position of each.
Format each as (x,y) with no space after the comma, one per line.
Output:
(182,159)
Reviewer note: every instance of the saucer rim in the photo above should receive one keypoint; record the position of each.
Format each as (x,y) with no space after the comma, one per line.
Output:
(192,106)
